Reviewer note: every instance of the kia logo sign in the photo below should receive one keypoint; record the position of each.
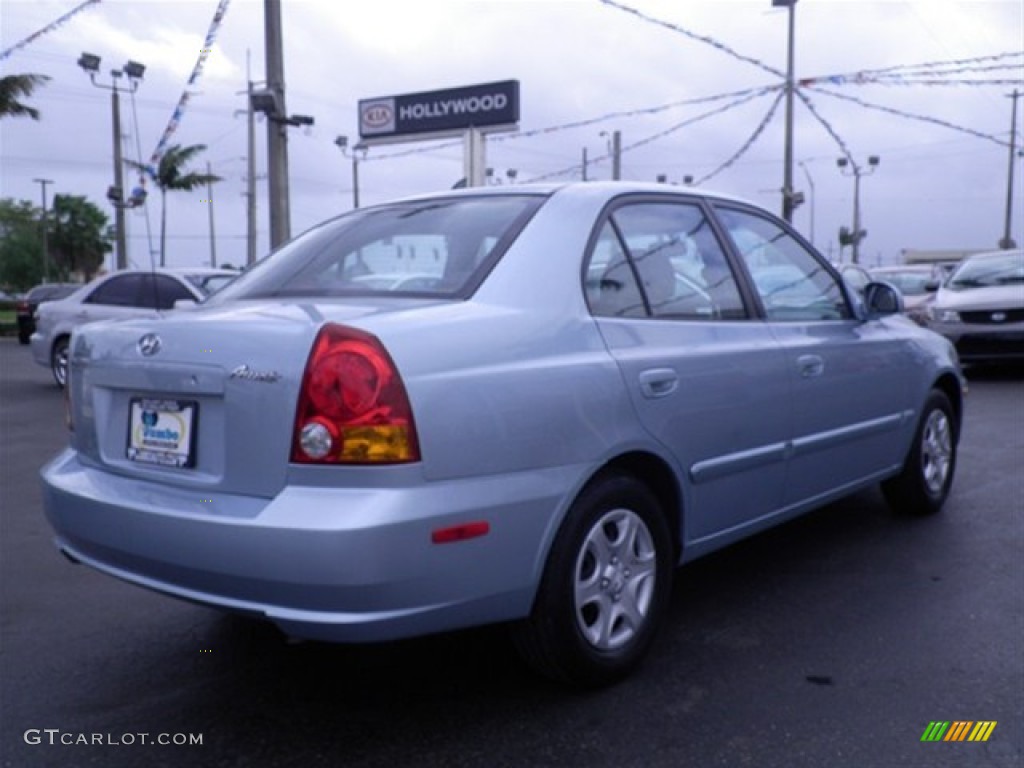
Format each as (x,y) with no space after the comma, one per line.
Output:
(376,117)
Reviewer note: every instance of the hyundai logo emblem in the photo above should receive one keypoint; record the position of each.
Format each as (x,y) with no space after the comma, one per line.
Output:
(998,317)
(149,344)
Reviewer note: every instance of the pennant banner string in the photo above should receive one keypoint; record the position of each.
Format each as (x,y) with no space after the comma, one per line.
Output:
(179,110)
(48,28)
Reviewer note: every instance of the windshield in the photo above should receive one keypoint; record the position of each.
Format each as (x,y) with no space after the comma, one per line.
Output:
(438,248)
(986,271)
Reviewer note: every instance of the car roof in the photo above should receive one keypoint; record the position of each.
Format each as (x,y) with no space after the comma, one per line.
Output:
(609,189)
(905,268)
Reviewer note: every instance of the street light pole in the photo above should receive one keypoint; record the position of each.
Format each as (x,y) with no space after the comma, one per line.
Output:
(341,142)
(119,221)
(788,194)
(856,171)
(133,71)
(46,245)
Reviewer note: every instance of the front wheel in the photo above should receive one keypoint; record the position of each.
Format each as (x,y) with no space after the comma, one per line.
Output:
(922,486)
(59,361)
(605,586)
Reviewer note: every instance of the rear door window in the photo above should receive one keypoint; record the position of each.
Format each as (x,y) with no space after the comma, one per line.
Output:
(661,259)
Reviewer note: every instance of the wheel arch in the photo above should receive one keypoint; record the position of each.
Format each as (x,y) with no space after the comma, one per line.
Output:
(66,335)
(950,386)
(654,472)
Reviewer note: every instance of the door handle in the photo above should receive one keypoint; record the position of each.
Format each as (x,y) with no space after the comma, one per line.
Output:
(658,382)
(810,366)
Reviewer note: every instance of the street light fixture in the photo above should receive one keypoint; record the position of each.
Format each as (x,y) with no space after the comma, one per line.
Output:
(848,167)
(133,71)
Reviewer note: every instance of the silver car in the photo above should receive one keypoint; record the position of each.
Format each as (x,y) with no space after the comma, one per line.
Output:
(539,436)
(980,308)
(118,295)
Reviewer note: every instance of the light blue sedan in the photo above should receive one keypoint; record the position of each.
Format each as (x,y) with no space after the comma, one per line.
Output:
(589,385)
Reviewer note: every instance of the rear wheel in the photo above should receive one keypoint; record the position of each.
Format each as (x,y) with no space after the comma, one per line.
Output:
(605,586)
(59,361)
(923,485)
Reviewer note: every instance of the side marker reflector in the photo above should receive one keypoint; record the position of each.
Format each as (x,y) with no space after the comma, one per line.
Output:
(460,532)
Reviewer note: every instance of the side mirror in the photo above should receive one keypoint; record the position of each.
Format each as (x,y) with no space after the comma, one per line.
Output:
(184,303)
(932,286)
(882,299)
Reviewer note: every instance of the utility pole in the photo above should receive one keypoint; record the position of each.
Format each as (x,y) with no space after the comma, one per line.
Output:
(788,194)
(46,245)
(1007,241)
(277,131)
(584,164)
(250,186)
(213,237)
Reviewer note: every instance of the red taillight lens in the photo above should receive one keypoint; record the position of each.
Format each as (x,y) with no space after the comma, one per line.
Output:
(353,407)
(22,307)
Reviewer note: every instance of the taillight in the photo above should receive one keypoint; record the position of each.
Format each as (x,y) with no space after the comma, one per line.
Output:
(21,307)
(353,407)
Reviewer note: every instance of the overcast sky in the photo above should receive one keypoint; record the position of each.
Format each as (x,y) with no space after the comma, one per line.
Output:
(939,184)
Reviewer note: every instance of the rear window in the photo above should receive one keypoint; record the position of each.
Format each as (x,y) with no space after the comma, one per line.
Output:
(50,292)
(442,247)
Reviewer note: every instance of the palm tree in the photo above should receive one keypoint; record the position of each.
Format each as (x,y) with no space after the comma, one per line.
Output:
(171,175)
(14,86)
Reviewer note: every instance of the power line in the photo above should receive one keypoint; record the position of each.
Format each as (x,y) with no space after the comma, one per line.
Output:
(908,115)
(694,36)
(748,144)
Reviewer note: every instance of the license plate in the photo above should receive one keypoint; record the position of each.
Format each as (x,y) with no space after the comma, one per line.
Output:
(162,432)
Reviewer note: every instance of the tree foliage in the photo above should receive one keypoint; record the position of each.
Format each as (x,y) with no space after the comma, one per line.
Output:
(171,176)
(15,87)
(80,236)
(21,248)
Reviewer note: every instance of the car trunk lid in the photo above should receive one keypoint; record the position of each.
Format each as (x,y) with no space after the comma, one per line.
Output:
(203,398)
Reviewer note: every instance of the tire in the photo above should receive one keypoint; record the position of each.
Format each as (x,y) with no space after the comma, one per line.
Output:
(922,486)
(605,586)
(23,338)
(59,361)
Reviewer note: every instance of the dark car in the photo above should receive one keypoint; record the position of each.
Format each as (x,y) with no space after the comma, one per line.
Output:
(25,311)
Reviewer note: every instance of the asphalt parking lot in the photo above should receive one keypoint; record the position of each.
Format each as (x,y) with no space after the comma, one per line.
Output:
(834,640)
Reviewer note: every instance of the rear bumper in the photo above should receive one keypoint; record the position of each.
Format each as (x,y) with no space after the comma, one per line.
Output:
(338,564)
